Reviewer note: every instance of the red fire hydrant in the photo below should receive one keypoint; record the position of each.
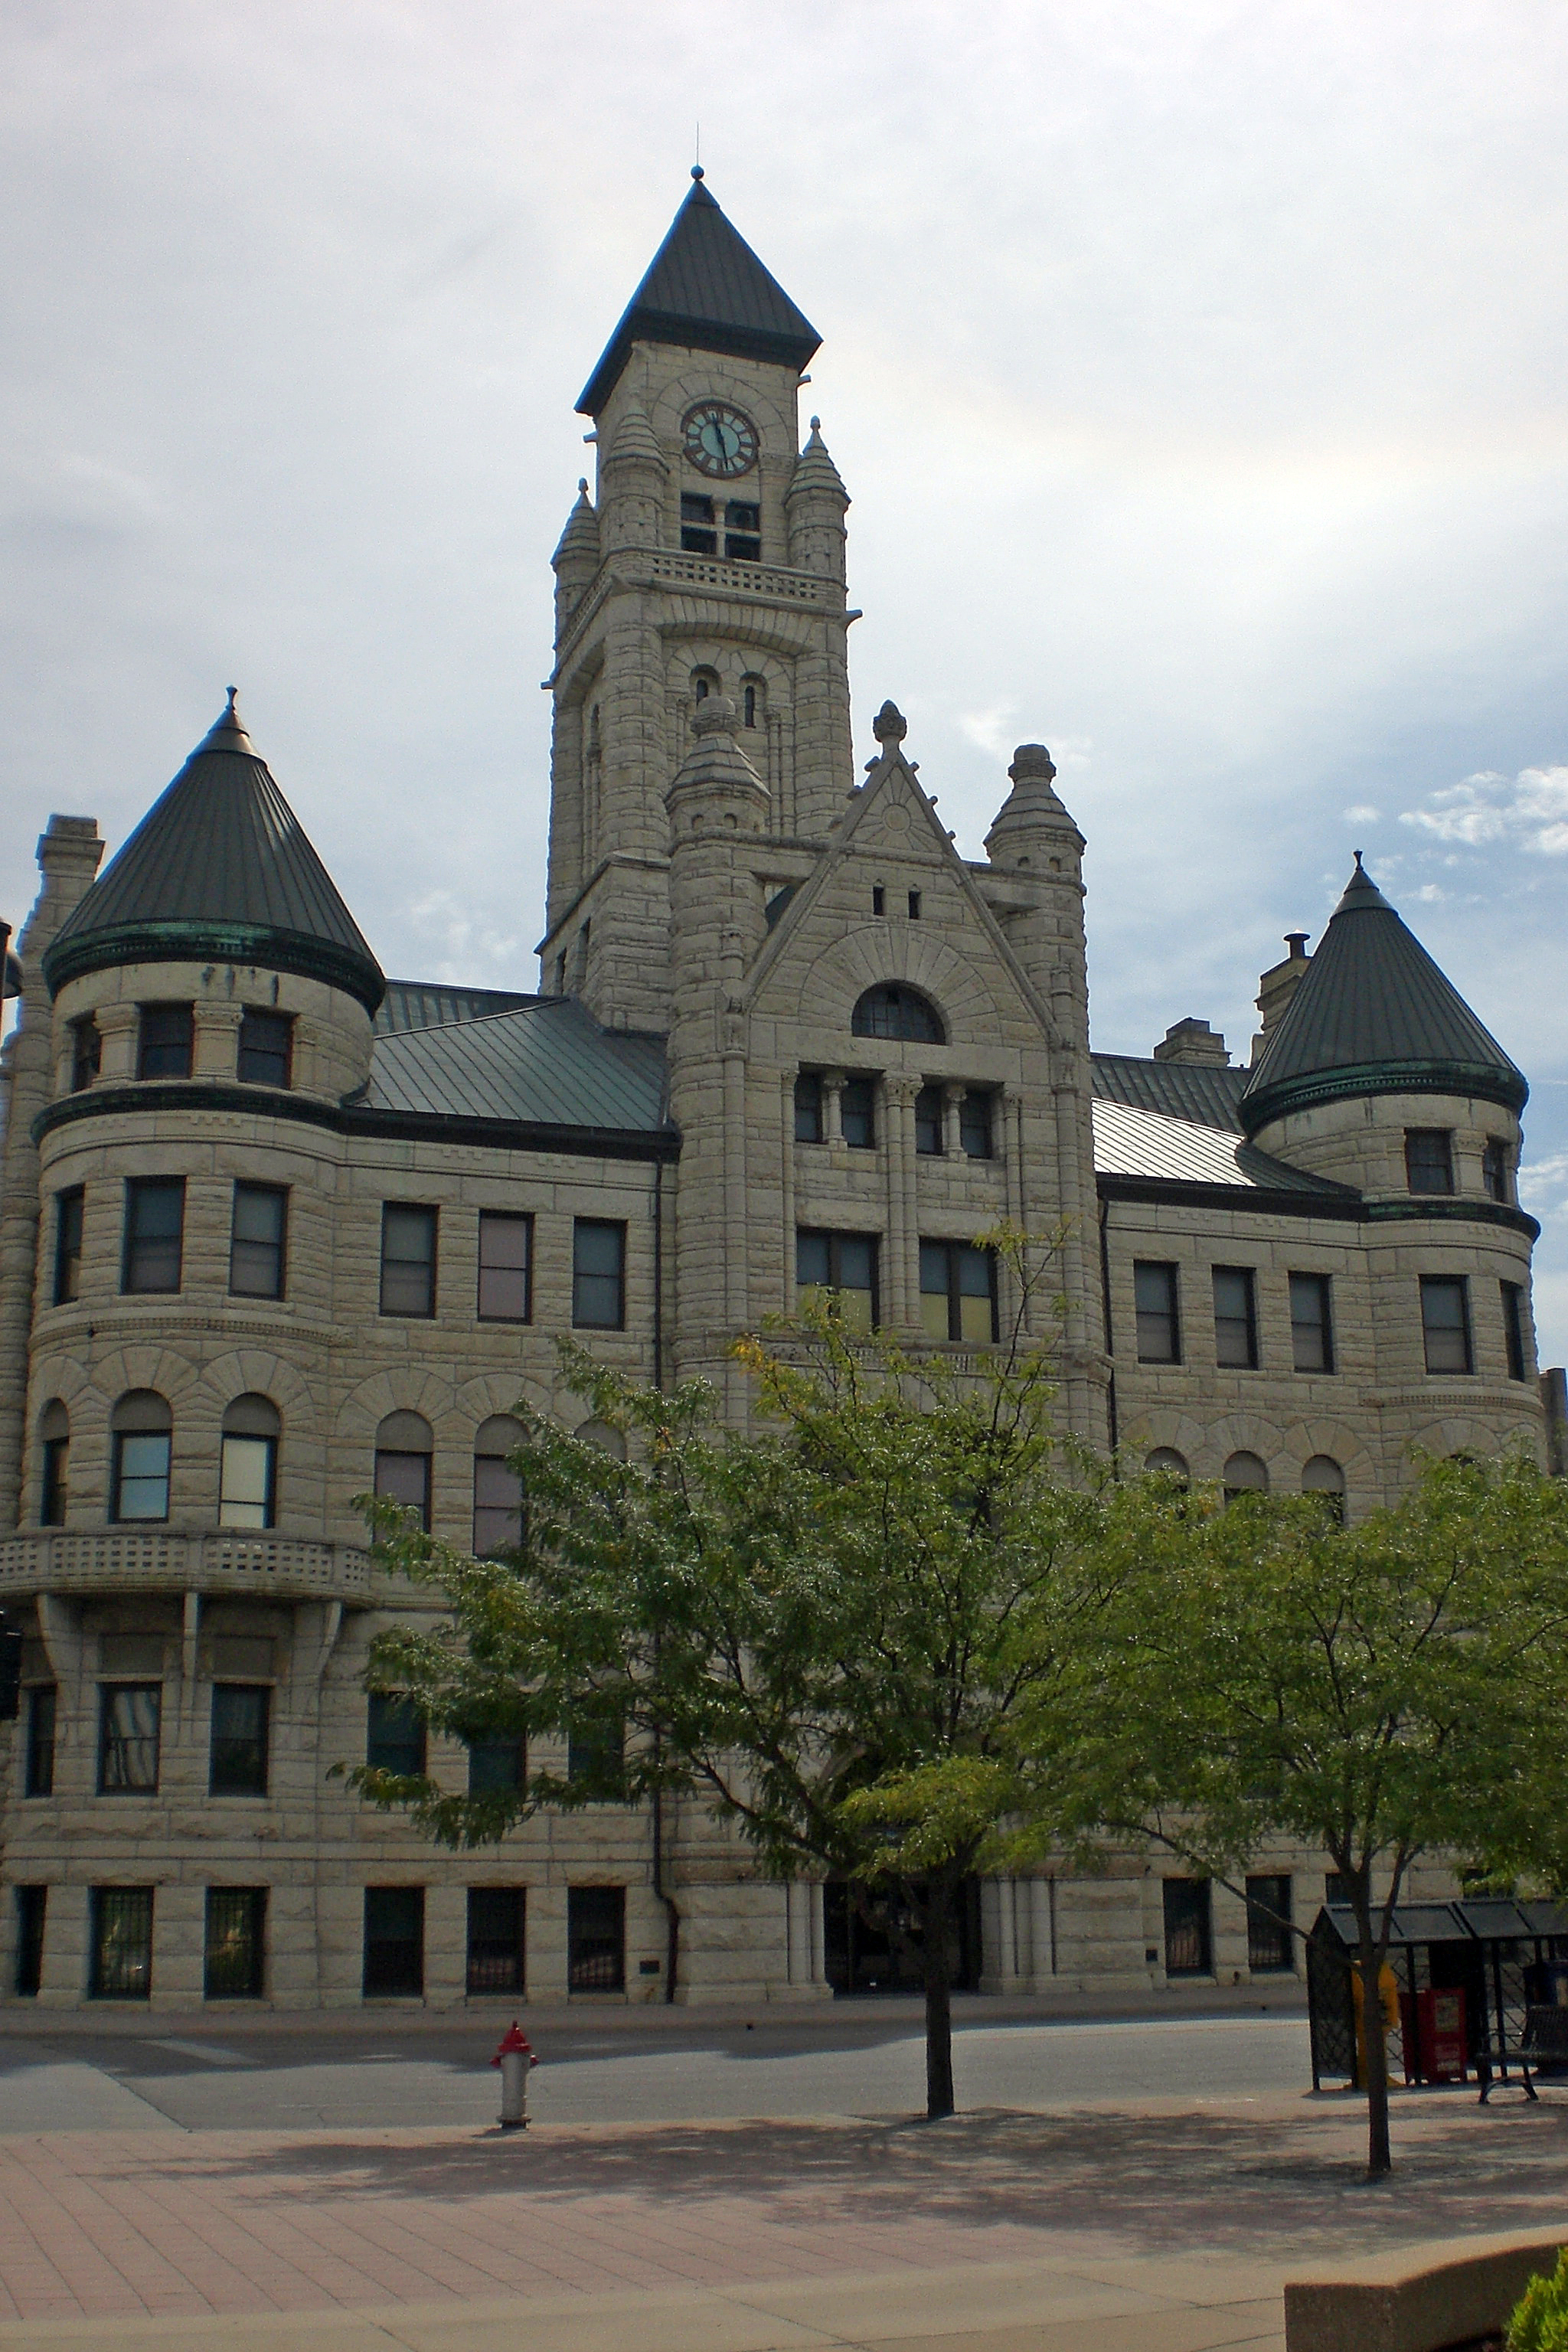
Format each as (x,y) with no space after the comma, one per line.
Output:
(514,2057)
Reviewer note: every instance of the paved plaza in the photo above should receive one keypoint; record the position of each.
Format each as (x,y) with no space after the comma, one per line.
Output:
(1108,2202)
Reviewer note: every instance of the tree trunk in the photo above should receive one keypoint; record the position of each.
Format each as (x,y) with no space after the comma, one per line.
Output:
(938,1999)
(1372,1954)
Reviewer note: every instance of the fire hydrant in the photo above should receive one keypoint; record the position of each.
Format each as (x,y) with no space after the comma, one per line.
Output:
(514,2057)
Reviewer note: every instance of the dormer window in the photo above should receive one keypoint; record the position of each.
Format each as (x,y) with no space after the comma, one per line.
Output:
(266,1047)
(698,535)
(165,1041)
(743,531)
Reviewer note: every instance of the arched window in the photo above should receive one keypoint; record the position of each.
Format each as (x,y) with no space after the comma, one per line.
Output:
(403,1448)
(498,1493)
(1166,1463)
(704,682)
(54,1444)
(248,1475)
(893,1010)
(600,1434)
(1243,1473)
(142,1427)
(1322,1476)
(753,703)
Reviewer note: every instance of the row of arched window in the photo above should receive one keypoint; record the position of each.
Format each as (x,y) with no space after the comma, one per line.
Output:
(1247,1473)
(142,1440)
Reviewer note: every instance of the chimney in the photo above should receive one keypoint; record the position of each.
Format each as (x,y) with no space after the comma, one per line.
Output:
(1193,1041)
(1277,986)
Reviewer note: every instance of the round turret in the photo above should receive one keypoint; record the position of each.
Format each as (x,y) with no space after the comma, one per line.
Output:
(634,473)
(816,502)
(576,557)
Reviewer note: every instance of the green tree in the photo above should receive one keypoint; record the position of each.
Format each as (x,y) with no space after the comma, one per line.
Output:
(1382,1691)
(832,1631)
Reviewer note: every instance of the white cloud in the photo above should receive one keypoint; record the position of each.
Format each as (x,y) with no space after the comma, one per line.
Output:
(1361,814)
(1529,810)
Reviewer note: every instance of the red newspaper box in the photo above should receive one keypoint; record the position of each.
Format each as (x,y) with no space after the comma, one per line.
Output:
(1437,2051)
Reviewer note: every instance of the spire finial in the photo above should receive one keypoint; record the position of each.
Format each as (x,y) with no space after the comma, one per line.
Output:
(889,726)
(816,423)
(1358,861)
(698,172)
(582,486)
(233,691)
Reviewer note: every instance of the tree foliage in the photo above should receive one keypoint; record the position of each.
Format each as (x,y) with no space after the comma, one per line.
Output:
(837,1630)
(1380,1692)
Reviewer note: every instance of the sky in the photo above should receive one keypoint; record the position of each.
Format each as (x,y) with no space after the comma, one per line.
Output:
(1196,370)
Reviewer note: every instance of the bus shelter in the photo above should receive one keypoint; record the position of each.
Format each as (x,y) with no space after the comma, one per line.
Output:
(1503,1958)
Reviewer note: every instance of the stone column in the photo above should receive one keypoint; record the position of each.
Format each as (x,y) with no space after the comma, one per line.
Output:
(214,1044)
(116,1026)
(953,1095)
(901,1283)
(831,1107)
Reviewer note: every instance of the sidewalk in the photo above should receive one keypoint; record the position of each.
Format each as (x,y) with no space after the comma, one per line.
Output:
(1154,2226)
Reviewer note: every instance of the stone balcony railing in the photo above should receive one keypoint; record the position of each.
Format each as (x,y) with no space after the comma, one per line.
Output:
(769,580)
(171,1559)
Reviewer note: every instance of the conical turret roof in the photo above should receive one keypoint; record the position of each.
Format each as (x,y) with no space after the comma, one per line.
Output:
(1375,1015)
(219,866)
(705,289)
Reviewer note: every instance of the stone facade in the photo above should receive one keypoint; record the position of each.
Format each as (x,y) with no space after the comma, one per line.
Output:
(724,903)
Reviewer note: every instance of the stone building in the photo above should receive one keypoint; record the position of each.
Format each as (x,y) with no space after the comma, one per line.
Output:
(275,1229)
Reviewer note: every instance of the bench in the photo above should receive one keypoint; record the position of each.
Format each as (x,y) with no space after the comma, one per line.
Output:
(1541,2053)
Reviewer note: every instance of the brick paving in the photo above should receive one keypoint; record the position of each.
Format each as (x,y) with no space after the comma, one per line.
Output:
(106,2226)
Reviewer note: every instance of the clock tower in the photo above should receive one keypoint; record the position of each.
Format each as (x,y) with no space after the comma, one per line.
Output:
(709,561)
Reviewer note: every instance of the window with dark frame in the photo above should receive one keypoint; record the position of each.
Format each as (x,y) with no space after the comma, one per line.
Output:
(498,1763)
(598,1275)
(743,531)
(87,1052)
(858,1114)
(749,707)
(394,1736)
(1189,1945)
(403,1475)
(930,1110)
(165,1035)
(266,1057)
(141,1445)
(914,903)
(506,1266)
(407,1260)
(165,1040)
(1515,1344)
(498,1501)
(958,1292)
(1235,1317)
(38,1767)
(257,1240)
(974,1116)
(595,1939)
(1496,1168)
(393,1942)
(238,1758)
(234,1952)
(841,1268)
(248,1464)
(53,1482)
(1429,1159)
(497,1929)
(1154,1298)
(1445,1323)
(891,1010)
(809,1126)
(597,1751)
(71,1209)
(155,1234)
(128,1725)
(1311,1327)
(878,898)
(121,1943)
(1270,1945)
(698,535)
(32,1912)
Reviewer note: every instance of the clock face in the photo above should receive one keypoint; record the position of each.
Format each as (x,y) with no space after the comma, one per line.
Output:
(719,441)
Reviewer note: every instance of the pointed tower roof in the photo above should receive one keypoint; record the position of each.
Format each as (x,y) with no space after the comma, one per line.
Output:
(706,288)
(1375,1015)
(815,469)
(219,866)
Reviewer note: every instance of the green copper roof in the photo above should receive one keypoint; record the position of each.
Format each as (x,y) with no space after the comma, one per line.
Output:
(218,867)
(545,1063)
(1375,1015)
(705,289)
